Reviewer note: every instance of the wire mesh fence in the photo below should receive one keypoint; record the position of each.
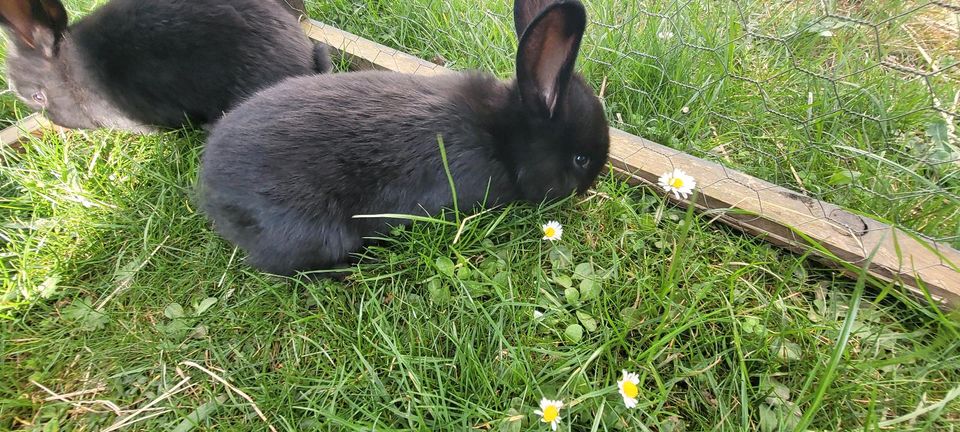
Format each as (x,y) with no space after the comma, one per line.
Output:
(851,102)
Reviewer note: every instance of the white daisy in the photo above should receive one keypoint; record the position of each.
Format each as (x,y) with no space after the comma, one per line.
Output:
(549,412)
(552,231)
(678,182)
(628,388)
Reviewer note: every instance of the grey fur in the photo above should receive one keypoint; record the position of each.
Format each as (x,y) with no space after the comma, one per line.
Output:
(141,64)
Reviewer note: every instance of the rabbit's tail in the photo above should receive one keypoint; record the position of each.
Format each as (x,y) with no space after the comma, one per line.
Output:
(321,58)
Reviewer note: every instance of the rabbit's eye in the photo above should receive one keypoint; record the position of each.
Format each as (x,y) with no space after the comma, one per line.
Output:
(581,161)
(39,97)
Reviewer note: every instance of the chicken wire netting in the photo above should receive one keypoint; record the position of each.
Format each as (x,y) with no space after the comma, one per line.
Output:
(852,102)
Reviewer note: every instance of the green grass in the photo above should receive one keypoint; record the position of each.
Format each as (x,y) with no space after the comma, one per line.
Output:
(113,283)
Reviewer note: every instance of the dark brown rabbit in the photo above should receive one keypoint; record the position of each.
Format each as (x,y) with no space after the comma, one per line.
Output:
(285,173)
(139,64)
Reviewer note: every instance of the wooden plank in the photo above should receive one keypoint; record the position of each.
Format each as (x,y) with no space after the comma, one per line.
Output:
(364,54)
(777,214)
(32,125)
(749,204)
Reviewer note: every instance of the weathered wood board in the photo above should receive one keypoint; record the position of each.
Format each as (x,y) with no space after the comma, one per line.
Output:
(32,125)
(760,208)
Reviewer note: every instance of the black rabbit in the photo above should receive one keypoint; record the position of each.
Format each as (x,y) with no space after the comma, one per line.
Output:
(285,173)
(140,64)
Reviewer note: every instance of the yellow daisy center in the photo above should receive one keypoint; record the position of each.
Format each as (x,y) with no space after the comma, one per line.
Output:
(630,389)
(550,413)
(677,183)
(550,232)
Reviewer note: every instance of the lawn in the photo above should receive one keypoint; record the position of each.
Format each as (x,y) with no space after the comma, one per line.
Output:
(120,306)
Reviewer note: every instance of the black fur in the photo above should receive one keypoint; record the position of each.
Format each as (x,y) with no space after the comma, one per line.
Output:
(321,58)
(134,64)
(284,174)
(321,52)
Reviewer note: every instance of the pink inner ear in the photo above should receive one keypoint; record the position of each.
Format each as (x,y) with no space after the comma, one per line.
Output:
(549,64)
(525,11)
(17,14)
(555,47)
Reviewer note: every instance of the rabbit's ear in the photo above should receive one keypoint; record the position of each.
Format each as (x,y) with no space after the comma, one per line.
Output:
(548,51)
(524,11)
(29,18)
